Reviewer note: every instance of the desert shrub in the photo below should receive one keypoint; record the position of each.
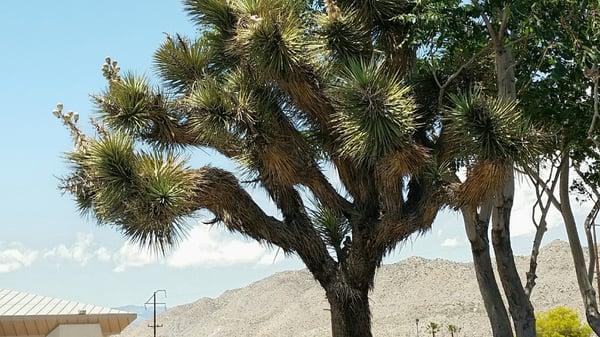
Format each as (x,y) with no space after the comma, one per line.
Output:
(561,322)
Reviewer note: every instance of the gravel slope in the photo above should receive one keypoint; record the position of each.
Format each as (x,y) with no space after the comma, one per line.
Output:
(292,304)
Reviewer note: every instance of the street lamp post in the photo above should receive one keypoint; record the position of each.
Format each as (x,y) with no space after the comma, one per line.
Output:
(417,321)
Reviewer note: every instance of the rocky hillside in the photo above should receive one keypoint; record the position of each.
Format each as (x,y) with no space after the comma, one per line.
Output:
(292,304)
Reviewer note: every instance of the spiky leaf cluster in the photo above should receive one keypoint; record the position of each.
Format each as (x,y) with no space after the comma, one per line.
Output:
(375,112)
(332,226)
(273,43)
(129,104)
(491,129)
(145,195)
(343,35)
(180,62)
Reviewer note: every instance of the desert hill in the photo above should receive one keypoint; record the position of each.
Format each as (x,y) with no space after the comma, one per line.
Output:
(293,304)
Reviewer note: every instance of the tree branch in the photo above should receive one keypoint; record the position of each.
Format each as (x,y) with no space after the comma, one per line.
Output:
(589,225)
(308,244)
(395,228)
(595,75)
(503,23)
(541,229)
(535,176)
(491,31)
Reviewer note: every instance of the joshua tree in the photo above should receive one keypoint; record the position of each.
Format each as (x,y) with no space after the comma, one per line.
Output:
(433,328)
(453,330)
(284,88)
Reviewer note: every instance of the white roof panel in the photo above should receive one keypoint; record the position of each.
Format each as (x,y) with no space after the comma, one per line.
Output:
(15,303)
(45,313)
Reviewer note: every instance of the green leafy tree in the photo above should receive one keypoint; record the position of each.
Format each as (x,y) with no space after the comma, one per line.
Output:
(563,56)
(561,322)
(545,55)
(284,88)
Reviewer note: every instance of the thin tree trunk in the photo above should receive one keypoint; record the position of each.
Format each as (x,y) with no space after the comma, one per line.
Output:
(476,226)
(519,305)
(350,312)
(585,287)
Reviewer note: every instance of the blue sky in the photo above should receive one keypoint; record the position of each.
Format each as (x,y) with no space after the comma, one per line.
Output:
(52,52)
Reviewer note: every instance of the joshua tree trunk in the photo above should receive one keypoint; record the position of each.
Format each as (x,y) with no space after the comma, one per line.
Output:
(520,307)
(585,286)
(350,313)
(476,225)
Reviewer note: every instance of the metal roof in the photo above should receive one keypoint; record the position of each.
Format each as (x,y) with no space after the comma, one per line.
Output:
(23,314)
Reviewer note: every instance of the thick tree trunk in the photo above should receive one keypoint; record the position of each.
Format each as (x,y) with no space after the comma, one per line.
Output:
(350,313)
(476,226)
(585,286)
(505,72)
(519,305)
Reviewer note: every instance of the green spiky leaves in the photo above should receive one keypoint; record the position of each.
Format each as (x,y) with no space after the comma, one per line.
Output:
(216,13)
(379,9)
(144,195)
(180,62)
(129,105)
(375,112)
(491,129)
(271,40)
(211,113)
(332,226)
(344,35)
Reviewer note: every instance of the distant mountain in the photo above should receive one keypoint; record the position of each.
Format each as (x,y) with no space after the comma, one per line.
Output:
(293,304)
(143,314)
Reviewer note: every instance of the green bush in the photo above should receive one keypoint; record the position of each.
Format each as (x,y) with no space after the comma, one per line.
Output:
(561,322)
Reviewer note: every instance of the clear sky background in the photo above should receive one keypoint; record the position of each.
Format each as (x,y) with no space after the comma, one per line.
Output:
(52,51)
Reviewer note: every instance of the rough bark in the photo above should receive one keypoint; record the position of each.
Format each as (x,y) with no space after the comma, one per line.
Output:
(350,315)
(519,305)
(585,286)
(476,226)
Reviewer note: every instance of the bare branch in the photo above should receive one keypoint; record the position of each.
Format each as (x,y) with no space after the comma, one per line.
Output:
(542,183)
(491,31)
(541,229)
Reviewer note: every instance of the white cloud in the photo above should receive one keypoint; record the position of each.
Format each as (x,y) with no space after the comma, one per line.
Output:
(16,257)
(81,252)
(103,254)
(203,247)
(214,247)
(452,242)
(130,255)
